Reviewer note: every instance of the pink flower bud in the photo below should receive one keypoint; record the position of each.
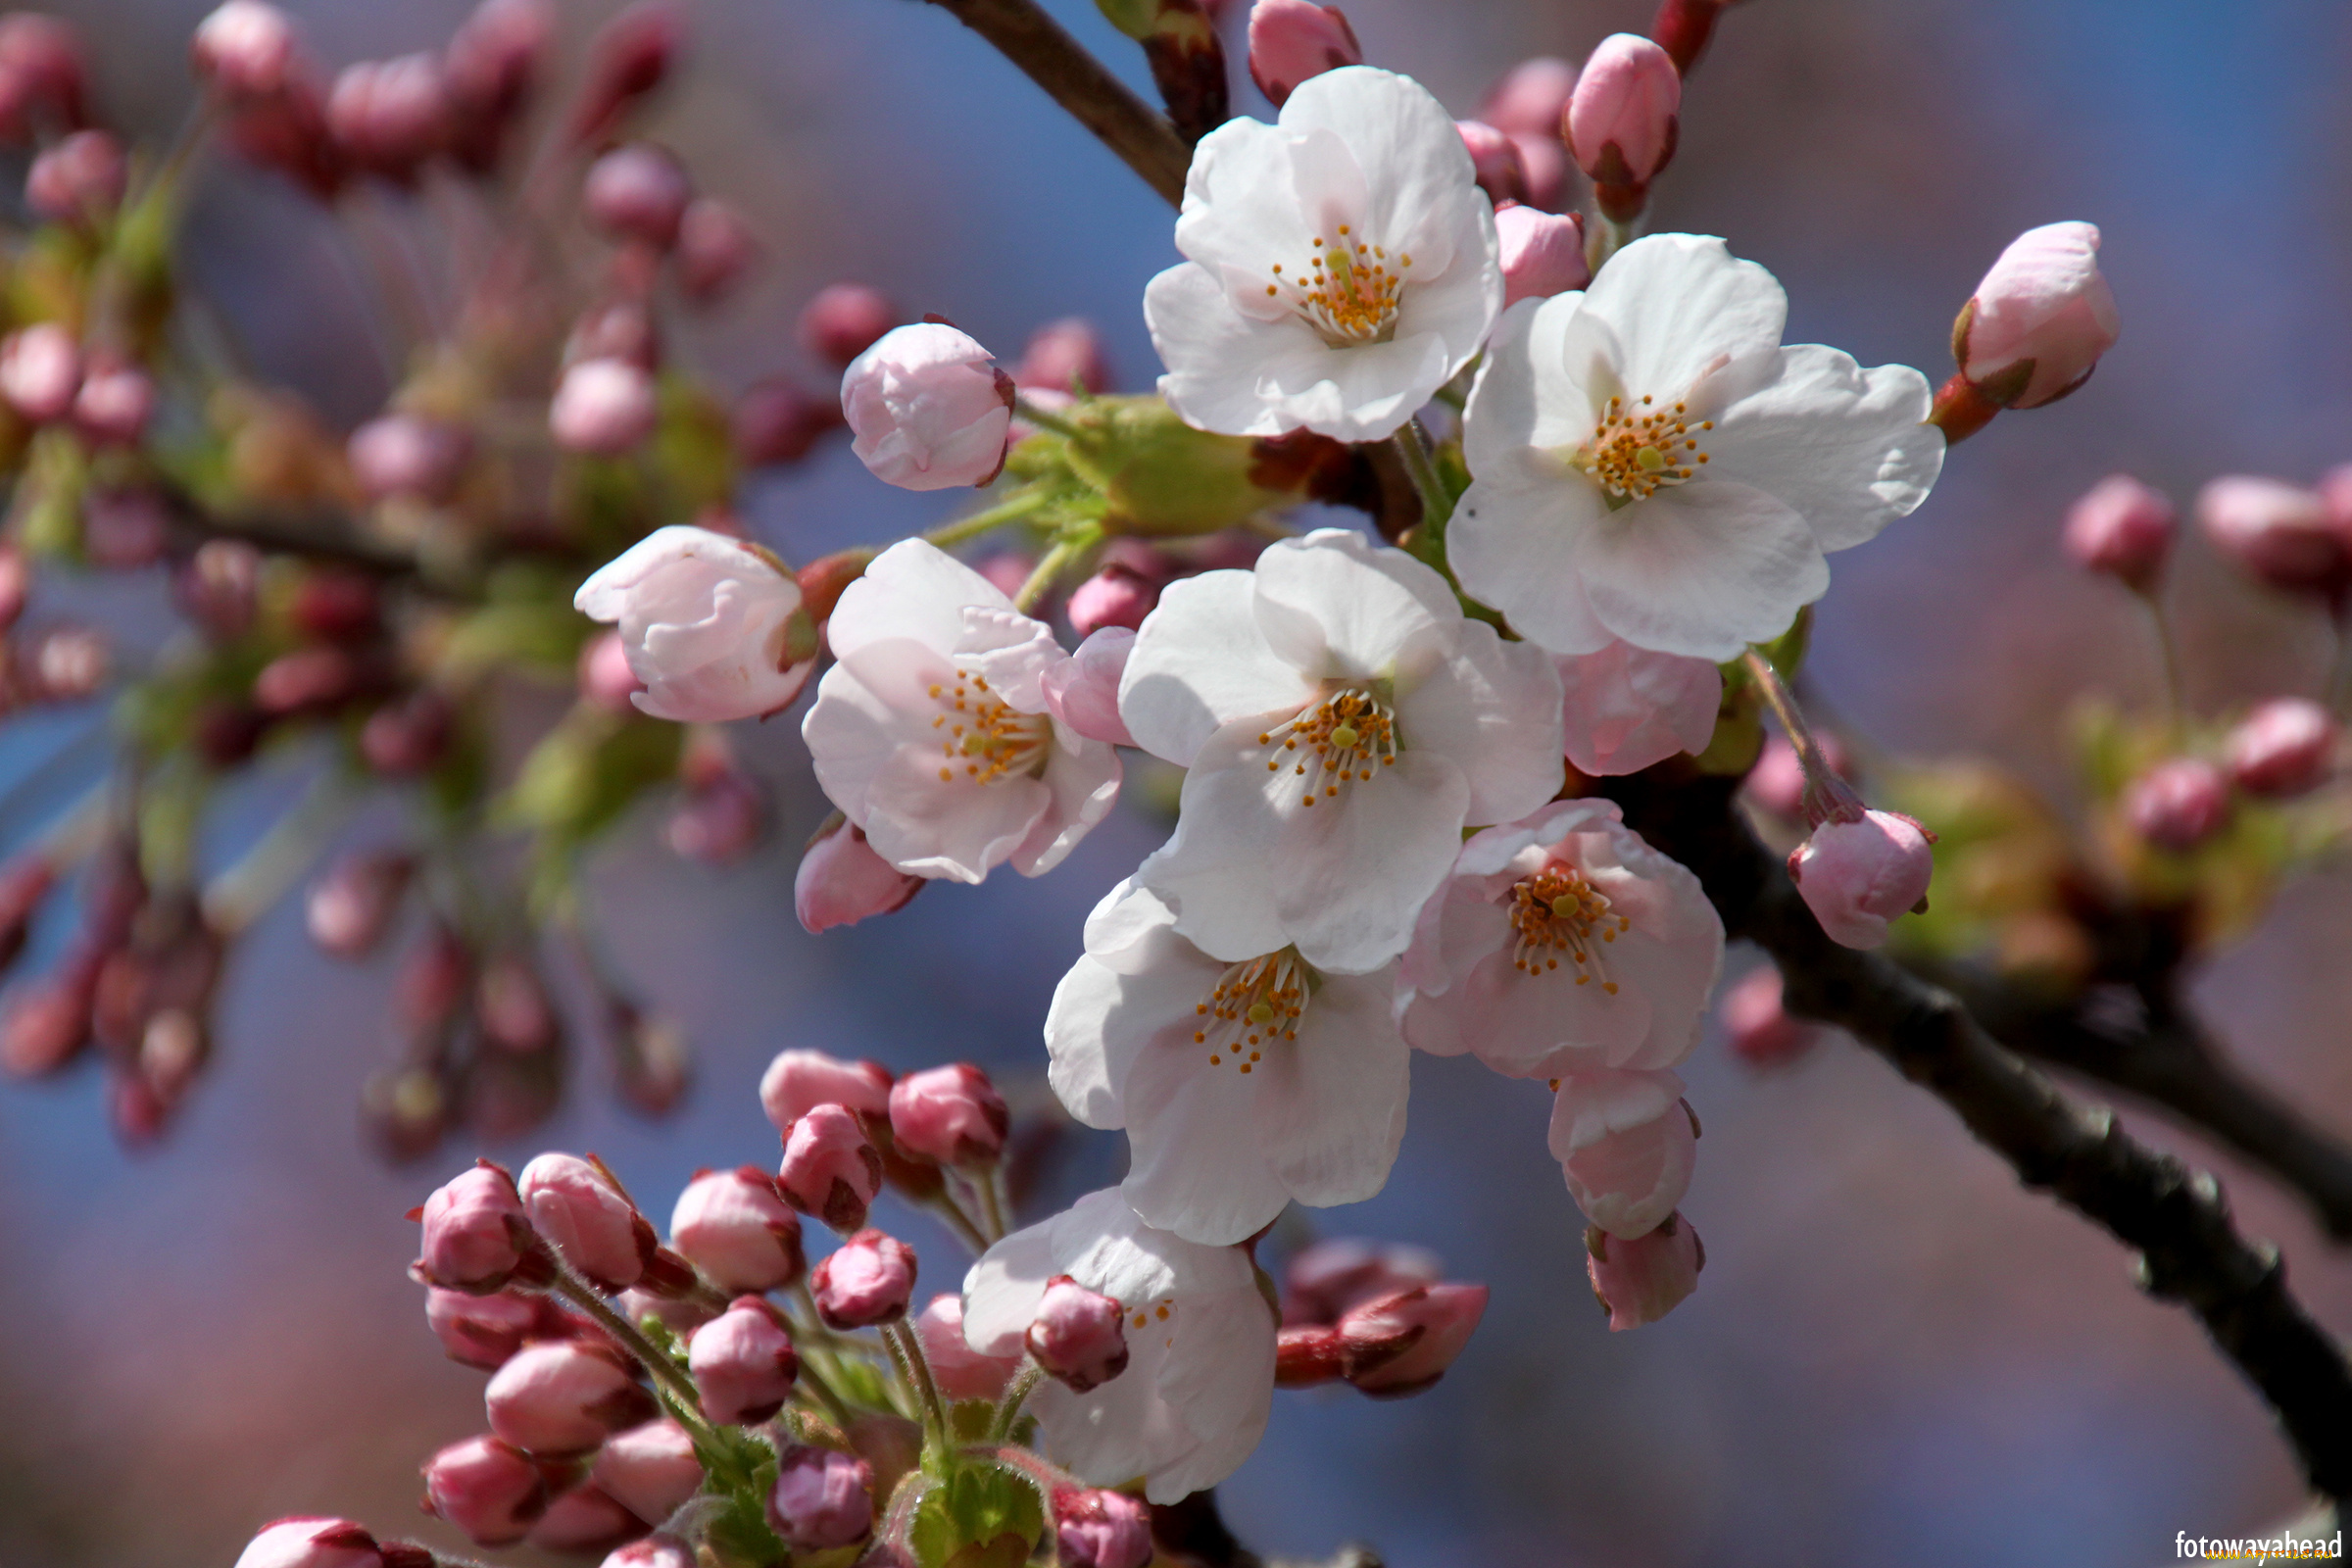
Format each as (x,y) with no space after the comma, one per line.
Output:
(40,370)
(409,457)
(47,1023)
(845,320)
(1307,1355)
(605,679)
(776,422)
(1856,876)
(1327,1279)
(650,1469)
(312,1544)
(114,403)
(743,1362)
(952,1114)
(43,80)
(653,1552)
(867,1280)
(1531,97)
(2284,747)
(564,1396)
(477,1235)
(588,1220)
(1079,1335)
(718,821)
(1098,1529)
(638,192)
(714,627)
(797,1082)
(1641,1280)
(1759,1030)
(334,605)
(735,1226)
(2037,323)
(388,116)
(485,1330)
(1622,121)
(245,48)
(2123,528)
(1494,160)
(351,907)
(843,881)
(2179,805)
(287,131)
(603,407)
(830,1169)
(487,1487)
(1083,690)
(510,1005)
(1402,1344)
(585,1519)
(408,737)
(2280,534)
(962,1372)
(1064,356)
(823,1498)
(716,249)
(1290,40)
(927,407)
(1116,596)
(616,328)
(1626,1142)
(629,57)
(16,581)
(79,180)
(490,64)
(1626,708)
(1542,253)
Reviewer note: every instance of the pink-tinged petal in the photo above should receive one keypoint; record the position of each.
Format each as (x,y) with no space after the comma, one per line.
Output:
(1843,446)
(1081,781)
(1330,1113)
(1213,880)
(1200,661)
(1012,652)
(1702,571)
(1337,605)
(1002,1290)
(1197,1168)
(1103,1019)
(952,828)
(1490,708)
(1627,708)
(914,591)
(1220,1375)
(1626,1147)
(1083,690)
(862,718)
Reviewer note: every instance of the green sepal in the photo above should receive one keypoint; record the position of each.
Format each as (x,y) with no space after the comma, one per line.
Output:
(978,1517)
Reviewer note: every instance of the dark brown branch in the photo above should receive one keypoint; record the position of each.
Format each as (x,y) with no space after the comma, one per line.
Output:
(2176,1221)
(1075,79)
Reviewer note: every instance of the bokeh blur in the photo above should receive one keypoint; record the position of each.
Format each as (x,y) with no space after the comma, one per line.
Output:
(1896,1355)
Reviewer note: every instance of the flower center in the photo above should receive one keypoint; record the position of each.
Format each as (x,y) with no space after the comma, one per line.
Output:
(1347,290)
(1555,911)
(1339,741)
(982,737)
(1635,451)
(1254,1003)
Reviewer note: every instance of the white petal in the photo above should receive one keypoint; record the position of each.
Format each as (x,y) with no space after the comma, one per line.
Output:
(1702,569)
(1492,708)
(1012,652)
(1102,1019)
(1002,1290)
(1527,395)
(1106,1246)
(1844,447)
(1197,1168)
(956,828)
(1222,364)
(852,730)
(1199,661)
(1520,552)
(1330,1113)
(1211,877)
(1219,1379)
(1417,171)
(1333,605)
(1675,305)
(913,590)
(1082,783)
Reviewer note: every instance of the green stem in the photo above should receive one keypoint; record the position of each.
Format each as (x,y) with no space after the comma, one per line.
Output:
(2167,647)
(686,1403)
(966,1232)
(244,893)
(1016,1393)
(1826,796)
(1029,412)
(1041,581)
(1604,237)
(906,1353)
(1413,448)
(991,1204)
(1012,510)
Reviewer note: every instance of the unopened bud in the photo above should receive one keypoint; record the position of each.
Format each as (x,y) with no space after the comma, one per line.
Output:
(351,907)
(598,1231)
(952,1114)
(512,1006)
(1116,596)
(1495,158)
(485,1330)
(1758,1029)
(797,1082)
(1623,121)
(1857,876)
(245,48)
(477,1235)
(1307,1355)
(629,57)
(653,1552)
(2280,534)
(582,1520)
(830,1169)
(720,819)
(1778,783)
(822,1499)
(716,249)
(564,1396)
(1067,356)
(638,192)
(217,587)
(743,1362)
(603,407)
(78,181)
(2123,528)
(389,116)
(2287,747)
(409,457)
(2038,323)
(487,1487)
(123,530)
(735,1226)
(491,63)
(40,370)
(605,676)
(408,737)
(1641,1280)
(318,1543)
(776,422)
(1079,1335)
(842,320)
(1402,1344)
(1542,253)
(841,881)
(928,409)
(2179,805)
(652,1469)
(114,403)
(1290,40)
(865,1281)
(962,1372)
(1099,1529)
(1330,1277)
(44,81)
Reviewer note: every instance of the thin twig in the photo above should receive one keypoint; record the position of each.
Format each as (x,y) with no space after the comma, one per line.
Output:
(2176,1221)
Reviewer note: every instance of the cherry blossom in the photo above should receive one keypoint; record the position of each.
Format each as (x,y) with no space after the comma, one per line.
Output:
(1340,266)
(1241,1086)
(932,734)
(1627,708)
(1652,463)
(712,625)
(1341,722)
(1199,1380)
(1626,1145)
(1563,943)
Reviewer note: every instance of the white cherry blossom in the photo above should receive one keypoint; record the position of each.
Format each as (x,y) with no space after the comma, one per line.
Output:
(1341,721)
(1563,943)
(712,625)
(1241,1086)
(1341,264)
(1652,463)
(932,734)
(1200,1379)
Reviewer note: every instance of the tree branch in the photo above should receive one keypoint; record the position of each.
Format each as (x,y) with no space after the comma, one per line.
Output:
(2189,1252)
(1075,79)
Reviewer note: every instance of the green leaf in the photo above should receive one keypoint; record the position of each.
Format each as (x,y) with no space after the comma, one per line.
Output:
(979,1517)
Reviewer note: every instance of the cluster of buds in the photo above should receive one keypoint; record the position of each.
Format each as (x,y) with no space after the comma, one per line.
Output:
(1382,1317)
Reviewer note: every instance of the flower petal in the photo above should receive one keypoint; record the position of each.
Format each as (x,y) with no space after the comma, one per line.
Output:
(1702,570)
(913,590)
(1199,661)
(1081,779)
(1195,1166)
(1333,605)
(1491,709)
(1520,551)
(1674,306)
(1844,447)
(1330,1112)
